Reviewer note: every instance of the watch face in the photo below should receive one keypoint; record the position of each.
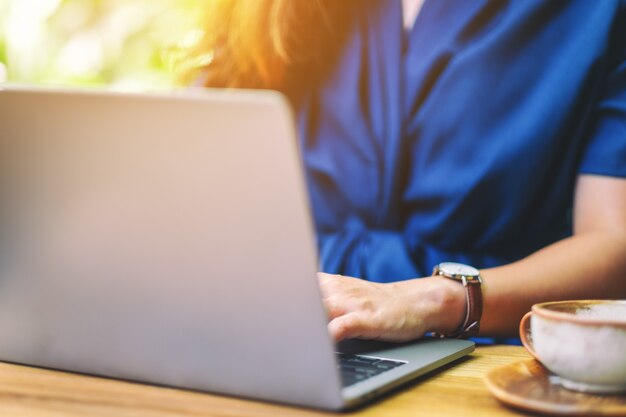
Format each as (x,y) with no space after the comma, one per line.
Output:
(455,269)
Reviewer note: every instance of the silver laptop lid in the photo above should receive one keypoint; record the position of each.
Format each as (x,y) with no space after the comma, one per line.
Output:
(164,239)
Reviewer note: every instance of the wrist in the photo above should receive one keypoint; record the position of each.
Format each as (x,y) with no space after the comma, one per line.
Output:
(442,303)
(449,305)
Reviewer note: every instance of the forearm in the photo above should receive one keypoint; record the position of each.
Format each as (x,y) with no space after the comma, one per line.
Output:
(586,266)
(591,265)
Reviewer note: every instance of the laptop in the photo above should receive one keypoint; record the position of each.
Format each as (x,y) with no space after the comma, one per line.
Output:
(168,239)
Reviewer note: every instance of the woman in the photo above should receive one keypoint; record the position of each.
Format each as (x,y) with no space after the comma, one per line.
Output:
(489,133)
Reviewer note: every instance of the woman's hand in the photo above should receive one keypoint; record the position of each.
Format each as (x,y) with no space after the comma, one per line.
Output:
(398,311)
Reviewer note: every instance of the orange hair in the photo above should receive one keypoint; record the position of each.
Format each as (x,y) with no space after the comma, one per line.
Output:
(271,44)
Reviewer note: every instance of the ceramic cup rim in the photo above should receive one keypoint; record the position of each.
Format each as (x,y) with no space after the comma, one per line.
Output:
(544,310)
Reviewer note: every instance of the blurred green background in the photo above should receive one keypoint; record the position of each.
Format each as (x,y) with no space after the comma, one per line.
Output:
(119,44)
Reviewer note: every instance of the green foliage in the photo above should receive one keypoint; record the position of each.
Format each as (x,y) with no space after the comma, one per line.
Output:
(123,44)
(3,49)
(3,52)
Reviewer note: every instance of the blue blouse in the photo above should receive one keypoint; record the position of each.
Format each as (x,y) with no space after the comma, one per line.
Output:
(462,139)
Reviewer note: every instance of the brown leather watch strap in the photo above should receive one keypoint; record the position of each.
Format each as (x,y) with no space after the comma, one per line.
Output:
(474,311)
(473,303)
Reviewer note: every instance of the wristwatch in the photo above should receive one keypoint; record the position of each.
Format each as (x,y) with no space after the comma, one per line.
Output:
(471,280)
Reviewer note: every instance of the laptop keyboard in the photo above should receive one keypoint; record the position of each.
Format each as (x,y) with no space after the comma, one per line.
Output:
(357,368)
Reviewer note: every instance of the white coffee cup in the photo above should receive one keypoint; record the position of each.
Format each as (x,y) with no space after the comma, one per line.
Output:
(582,342)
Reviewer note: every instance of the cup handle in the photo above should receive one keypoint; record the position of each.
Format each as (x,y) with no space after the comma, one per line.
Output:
(526,335)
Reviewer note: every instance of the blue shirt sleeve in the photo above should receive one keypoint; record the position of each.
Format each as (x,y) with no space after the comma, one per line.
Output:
(605,153)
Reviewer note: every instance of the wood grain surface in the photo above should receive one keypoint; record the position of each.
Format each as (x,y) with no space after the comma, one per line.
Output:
(456,390)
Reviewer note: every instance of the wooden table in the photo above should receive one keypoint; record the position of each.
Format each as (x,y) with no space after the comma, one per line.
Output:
(457,390)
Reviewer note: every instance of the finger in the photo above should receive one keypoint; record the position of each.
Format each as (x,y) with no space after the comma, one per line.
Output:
(349,326)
